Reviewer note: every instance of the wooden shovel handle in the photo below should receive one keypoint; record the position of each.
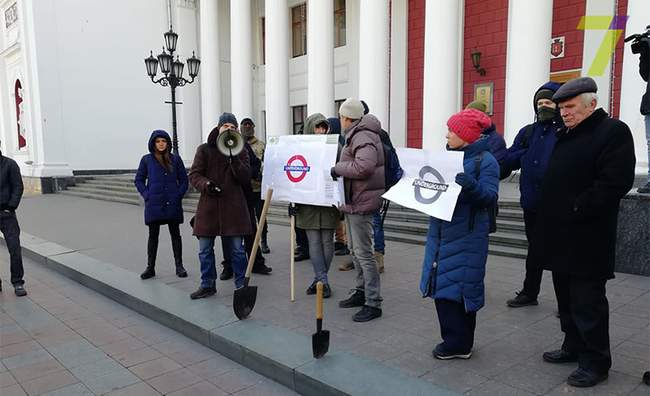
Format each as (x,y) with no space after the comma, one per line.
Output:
(319,300)
(258,234)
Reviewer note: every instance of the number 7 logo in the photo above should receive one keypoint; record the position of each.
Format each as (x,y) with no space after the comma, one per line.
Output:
(615,25)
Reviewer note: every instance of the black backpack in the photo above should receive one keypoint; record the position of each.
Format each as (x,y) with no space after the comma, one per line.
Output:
(393,172)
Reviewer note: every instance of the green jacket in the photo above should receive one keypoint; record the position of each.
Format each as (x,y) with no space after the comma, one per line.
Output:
(311,217)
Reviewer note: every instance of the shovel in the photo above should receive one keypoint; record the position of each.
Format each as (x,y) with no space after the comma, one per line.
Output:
(320,341)
(244,298)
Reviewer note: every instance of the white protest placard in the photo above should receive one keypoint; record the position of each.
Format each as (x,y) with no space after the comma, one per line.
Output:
(298,169)
(428,184)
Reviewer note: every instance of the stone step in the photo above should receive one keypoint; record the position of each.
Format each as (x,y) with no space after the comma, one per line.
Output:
(102,191)
(107,187)
(101,197)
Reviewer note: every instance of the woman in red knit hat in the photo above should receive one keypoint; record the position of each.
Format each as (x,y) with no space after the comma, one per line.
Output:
(456,251)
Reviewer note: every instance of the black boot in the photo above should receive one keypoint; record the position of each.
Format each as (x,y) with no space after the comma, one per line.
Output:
(180,271)
(150,272)
(227,271)
(356,299)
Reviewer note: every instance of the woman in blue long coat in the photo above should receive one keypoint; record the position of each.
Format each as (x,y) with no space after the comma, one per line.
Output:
(162,182)
(456,251)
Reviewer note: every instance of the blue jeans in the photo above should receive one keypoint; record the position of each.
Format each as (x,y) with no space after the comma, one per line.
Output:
(378,232)
(647,137)
(235,246)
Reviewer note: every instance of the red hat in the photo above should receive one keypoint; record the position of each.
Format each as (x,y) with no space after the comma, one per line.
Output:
(469,124)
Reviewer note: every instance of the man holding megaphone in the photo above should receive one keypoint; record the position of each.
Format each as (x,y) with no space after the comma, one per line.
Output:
(220,170)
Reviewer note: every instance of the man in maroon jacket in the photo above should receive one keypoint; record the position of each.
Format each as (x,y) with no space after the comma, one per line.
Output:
(362,167)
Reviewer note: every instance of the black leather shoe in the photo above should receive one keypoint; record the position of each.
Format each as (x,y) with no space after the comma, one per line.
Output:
(301,256)
(311,290)
(203,293)
(583,378)
(521,300)
(150,272)
(560,356)
(262,269)
(226,274)
(356,299)
(344,251)
(20,291)
(367,314)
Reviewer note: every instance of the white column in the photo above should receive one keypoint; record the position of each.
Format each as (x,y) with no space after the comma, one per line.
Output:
(320,57)
(398,72)
(528,61)
(373,57)
(241,59)
(210,71)
(442,69)
(632,86)
(277,68)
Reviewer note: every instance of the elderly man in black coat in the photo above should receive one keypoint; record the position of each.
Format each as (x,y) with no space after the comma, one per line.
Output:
(590,170)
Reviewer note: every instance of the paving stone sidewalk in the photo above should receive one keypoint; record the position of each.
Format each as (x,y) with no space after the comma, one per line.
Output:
(509,342)
(66,340)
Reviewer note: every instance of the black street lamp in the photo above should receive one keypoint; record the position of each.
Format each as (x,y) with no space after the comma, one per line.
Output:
(173,74)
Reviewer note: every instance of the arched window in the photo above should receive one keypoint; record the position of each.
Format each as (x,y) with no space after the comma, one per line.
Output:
(18,95)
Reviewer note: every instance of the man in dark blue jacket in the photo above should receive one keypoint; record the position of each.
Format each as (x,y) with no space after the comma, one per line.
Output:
(531,152)
(11,191)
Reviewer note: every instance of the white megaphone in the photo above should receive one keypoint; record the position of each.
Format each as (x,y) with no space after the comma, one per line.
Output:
(230,143)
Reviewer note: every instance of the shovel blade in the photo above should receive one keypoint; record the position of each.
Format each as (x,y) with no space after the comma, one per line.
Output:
(244,301)
(320,343)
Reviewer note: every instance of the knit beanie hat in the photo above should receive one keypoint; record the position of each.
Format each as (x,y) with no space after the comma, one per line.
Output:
(478,105)
(469,124)
(543,94)
(351,108)
(227,118)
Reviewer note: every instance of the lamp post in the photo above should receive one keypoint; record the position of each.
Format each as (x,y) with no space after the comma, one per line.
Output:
(173,74)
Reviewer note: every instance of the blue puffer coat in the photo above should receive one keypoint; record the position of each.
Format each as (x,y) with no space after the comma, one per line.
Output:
(532,156)
(162,189)
(456,251)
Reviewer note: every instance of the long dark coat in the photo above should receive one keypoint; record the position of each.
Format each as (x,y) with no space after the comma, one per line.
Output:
(225,213)
(162,189)
(590,170)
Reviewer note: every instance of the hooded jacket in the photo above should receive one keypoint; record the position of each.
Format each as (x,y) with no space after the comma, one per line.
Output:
(312,217)
(162,189)
(362,167)
(11,184)
(456,252)
(224,213)
(531,154)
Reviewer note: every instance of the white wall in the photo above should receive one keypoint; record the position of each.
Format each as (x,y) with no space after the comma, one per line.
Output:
(94,89)
(633,86)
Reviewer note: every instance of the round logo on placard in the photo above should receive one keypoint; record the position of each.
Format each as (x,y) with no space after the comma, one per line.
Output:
(291,168)
(438,185)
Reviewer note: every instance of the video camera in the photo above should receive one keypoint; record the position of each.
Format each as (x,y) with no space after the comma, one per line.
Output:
(641,41)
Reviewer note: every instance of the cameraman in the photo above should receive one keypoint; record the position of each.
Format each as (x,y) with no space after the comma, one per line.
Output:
(641,46)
